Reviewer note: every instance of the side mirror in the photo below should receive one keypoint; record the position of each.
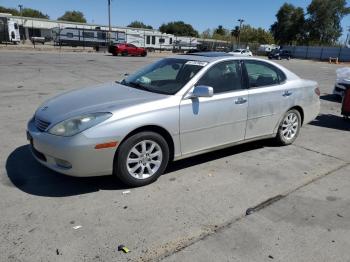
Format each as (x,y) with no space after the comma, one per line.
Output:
(202,91)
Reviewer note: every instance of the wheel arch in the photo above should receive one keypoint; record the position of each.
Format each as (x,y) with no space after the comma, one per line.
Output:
(156,129)
(301,112)
(296,107)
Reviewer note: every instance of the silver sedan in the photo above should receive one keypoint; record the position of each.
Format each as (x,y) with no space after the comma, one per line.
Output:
(172,109)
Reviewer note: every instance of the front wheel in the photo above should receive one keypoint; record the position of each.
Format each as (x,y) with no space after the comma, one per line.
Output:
(125,53)
(141,159)
(289,128)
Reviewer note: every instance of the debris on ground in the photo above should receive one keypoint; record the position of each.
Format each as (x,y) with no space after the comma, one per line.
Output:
(77,227)
(123,248)
(271,257)
(126,192)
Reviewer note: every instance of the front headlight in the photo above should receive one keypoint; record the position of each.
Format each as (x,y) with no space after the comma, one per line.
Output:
(75,125)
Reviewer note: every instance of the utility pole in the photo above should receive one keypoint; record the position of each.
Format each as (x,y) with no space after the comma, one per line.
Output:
(23,30)
(109,21)
(240,27)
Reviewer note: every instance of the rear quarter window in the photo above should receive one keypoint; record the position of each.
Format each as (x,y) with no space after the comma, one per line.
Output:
(262,74)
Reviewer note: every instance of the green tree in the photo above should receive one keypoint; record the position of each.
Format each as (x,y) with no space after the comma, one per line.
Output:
(324,22)
(235,32)
(249,34)
(138,24)
(220,30)
(28,12)
(290,24)
(73,16)
(11,11)
(178,28)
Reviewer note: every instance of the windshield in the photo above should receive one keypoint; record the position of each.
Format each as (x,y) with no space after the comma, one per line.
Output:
(166,76)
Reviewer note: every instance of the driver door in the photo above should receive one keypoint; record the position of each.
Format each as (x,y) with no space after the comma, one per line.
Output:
(208,122)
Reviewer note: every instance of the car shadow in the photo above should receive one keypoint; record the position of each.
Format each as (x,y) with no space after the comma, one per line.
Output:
(331,121)
(331,98)
(31,177)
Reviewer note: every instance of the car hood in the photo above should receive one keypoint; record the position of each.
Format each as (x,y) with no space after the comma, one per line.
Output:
(107,97)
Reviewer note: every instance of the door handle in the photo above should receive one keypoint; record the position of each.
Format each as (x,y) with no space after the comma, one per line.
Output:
(240,100)
(287,93)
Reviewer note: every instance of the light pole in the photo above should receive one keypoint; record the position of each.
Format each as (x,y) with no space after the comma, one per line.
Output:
(240,27)
(20,11)
(109,21)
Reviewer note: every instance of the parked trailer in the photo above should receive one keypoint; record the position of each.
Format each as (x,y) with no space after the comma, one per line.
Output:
(86,37)
(9,31)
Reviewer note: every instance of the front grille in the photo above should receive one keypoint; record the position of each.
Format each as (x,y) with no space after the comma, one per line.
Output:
(41,125)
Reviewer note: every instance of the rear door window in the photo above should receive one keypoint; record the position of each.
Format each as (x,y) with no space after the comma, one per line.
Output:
(262,74)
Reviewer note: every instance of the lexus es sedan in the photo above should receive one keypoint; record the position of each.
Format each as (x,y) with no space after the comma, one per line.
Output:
(172,109)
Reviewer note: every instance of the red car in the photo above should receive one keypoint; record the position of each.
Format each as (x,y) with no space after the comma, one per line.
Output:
(127,49)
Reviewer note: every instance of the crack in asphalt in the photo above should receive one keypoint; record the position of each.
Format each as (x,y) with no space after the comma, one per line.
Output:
(323,154)
(219,228)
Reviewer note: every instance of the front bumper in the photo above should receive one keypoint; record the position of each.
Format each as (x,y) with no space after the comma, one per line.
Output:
(79,151)
(339,90)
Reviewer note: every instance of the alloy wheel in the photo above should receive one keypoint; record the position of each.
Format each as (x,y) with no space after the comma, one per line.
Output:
(144,159)
(290,126)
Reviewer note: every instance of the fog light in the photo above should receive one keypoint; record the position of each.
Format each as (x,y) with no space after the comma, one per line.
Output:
(63,163)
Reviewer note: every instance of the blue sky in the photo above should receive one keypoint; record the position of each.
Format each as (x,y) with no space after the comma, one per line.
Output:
(202,14)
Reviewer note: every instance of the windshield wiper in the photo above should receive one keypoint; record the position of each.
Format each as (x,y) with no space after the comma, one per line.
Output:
(137,85)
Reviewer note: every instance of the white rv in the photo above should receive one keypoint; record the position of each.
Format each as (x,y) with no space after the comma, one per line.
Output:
(9,30)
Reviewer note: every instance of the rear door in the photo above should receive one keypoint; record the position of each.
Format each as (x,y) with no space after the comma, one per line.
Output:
(269,97)
(208,122)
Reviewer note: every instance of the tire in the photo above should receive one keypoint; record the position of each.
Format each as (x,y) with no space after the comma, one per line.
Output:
(114,54)
(286,133)
(139,171)
(124,53)
(144,54)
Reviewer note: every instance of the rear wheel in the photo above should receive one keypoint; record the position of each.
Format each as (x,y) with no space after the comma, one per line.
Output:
(289,128)
(141,159)
(144,54)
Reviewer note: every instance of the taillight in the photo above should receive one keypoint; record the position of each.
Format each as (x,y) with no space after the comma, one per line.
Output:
(317,91)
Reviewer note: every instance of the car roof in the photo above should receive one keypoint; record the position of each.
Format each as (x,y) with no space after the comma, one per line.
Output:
(204,56)
(210,54)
